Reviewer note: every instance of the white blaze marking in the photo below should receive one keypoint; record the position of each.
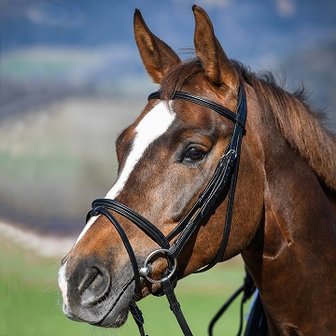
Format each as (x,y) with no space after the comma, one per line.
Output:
(62,283)
(86,227)
(153,124)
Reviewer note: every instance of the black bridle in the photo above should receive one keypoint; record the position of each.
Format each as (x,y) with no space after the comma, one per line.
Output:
(221,185)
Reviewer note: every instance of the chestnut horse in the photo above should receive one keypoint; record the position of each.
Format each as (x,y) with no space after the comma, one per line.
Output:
(283,218)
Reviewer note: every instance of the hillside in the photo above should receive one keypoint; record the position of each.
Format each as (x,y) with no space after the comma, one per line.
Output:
(315,69)
(56,159)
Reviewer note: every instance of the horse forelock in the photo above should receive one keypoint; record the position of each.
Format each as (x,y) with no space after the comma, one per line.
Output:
(179,76)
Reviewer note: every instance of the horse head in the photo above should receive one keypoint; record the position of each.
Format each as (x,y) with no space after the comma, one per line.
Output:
(167,157)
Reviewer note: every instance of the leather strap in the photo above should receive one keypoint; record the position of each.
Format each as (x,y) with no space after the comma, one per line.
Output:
(138,318)
(175,306)
(142,223)
(205,203)
(99,210)
(203,102)
(247,289)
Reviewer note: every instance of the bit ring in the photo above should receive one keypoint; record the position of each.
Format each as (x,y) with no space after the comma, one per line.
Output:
(146,270)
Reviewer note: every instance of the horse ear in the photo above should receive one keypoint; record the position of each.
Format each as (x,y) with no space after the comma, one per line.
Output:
(216,64)
(156,55)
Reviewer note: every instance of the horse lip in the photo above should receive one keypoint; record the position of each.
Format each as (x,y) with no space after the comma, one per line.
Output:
(71,316)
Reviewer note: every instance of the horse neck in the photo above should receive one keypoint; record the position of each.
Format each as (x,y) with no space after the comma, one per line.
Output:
(293,254)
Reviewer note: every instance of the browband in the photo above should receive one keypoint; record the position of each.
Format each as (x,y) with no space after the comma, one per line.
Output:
(225,112)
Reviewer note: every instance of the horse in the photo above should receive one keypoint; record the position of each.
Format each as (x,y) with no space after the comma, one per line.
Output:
(180,203)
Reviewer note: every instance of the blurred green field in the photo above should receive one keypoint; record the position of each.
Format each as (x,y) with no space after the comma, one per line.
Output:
(66,147)
(30,303)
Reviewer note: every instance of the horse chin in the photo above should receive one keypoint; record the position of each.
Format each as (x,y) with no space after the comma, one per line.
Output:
(113,319)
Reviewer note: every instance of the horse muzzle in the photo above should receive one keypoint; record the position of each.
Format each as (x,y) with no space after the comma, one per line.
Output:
(91,295)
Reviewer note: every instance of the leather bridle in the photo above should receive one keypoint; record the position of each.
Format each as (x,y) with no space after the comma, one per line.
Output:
(221,185)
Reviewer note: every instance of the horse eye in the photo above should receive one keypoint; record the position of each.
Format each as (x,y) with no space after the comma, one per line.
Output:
(194,154)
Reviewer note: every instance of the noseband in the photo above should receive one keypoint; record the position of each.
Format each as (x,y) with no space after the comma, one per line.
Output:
(221,185)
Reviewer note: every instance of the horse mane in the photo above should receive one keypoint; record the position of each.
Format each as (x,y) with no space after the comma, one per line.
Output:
(300,125)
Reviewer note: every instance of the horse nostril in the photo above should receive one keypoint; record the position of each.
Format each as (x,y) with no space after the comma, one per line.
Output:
(94,286)
(90,275)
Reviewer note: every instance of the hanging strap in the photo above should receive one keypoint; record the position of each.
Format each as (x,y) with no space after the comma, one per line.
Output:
(248,288)
(138,318)
(175,306)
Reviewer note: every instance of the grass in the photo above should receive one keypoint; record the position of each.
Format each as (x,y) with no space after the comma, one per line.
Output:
(30,302)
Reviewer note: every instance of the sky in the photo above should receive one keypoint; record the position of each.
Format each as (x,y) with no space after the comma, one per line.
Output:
(255,32)
(75,45)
